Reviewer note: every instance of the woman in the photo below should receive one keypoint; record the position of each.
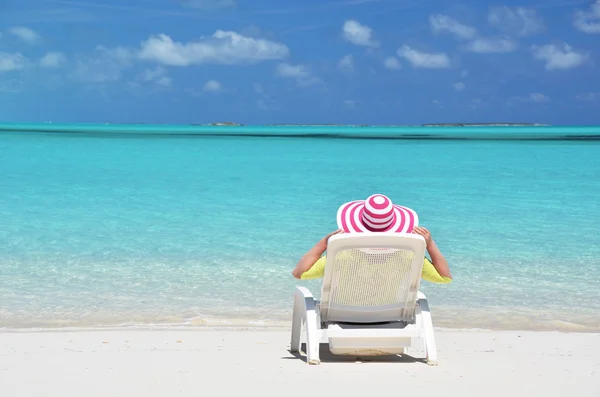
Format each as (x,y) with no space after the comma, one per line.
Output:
(375,214)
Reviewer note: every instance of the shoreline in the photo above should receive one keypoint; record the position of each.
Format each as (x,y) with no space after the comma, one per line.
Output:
(444,317)
(255,330)
(269,327)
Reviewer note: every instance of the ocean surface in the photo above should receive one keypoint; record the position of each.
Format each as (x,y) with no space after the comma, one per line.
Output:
(124,225)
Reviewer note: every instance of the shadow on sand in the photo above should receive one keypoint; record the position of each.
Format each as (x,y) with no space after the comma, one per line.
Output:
(327,357)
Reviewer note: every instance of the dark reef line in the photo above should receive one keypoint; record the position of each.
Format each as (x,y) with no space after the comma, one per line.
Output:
(90,134)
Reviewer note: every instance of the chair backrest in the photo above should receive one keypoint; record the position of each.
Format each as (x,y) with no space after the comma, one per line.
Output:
(372,277)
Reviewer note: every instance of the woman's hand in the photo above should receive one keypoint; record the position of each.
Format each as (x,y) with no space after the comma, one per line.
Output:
(325,240)
(421,231)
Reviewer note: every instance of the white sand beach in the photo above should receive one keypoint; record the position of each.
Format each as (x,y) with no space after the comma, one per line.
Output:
(248,362)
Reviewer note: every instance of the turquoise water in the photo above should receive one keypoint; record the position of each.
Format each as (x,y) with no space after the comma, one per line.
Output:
(105,229)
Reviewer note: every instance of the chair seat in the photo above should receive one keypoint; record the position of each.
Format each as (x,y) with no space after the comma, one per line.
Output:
(377,340)
(374,331)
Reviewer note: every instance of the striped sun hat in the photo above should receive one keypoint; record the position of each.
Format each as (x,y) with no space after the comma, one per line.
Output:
(376,214)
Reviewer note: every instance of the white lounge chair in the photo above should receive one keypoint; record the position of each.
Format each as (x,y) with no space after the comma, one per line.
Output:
(370,301)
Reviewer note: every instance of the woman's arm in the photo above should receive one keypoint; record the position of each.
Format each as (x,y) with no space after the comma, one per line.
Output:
(439,262)
(437,258)
(309,259)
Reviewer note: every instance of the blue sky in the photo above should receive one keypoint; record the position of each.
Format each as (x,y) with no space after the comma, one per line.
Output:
(266,61)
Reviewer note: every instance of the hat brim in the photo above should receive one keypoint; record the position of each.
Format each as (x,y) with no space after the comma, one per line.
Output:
(349,219)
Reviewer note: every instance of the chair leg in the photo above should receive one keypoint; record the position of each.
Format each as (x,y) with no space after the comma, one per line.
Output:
(297,316)
(312,338)
(305,313)
(427,327)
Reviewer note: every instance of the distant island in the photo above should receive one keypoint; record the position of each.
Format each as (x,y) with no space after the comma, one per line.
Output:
(485,125)
(224,123)
(234,124)
(499,124)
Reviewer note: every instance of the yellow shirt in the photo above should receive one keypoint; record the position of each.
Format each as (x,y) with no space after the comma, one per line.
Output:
(429,272)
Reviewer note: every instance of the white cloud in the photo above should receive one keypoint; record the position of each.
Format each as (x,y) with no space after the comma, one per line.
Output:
(11,62)
(288,70)
(444,23)
(106,65)
(519,21)
(588,21)
(299,73)
(53,60)
(482,45)
(392,63)
(103,65)
(157,75)
(25,34)
(152,74)
(459,86)
(428,60)
(559,58)
(212,86)
(221,48)
(358,34)
(164,81)
(537,97)
(491,45)
(346,63)
(588,96)
(11,86)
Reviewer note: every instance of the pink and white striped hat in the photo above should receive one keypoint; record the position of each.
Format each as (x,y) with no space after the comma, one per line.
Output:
(376,214)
